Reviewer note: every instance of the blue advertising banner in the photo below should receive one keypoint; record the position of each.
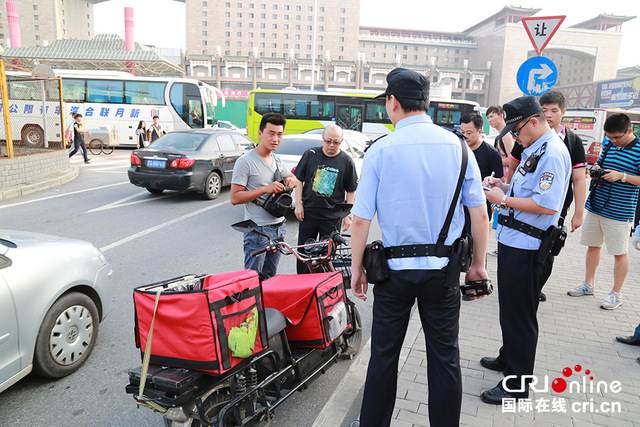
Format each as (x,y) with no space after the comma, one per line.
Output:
(619,94)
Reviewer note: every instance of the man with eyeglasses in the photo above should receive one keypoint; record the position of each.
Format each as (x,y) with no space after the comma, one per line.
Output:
(529,205)
(326,176)
(611,207)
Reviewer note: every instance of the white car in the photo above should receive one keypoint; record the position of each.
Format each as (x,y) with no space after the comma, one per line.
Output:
(293,147)
(53,294)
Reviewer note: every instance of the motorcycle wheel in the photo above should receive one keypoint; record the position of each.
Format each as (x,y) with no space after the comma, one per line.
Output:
(355,339)
(213,405)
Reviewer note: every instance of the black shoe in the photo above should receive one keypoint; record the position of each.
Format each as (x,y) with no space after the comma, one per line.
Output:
(493,363)
(631,340)
(543,297)
(638,360)
(495,396)
(86,161)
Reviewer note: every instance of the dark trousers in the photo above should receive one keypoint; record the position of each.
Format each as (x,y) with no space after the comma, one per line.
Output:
(439,310)
(312,228)
(520,280)
(77,145)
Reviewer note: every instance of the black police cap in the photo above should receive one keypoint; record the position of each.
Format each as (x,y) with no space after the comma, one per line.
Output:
(517,110)
(406,84)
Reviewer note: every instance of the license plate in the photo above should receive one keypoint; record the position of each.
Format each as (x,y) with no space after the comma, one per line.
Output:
(156,163)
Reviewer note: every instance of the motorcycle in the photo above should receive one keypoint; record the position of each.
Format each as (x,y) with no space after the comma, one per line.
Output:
(253,389)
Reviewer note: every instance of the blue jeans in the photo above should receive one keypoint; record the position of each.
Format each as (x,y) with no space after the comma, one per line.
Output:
(265,263)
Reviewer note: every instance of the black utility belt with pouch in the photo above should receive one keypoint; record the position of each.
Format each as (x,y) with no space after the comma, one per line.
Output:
(552,240)
(459,254)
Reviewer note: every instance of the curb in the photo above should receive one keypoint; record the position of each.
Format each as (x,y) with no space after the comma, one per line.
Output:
(342,401)
(41,183)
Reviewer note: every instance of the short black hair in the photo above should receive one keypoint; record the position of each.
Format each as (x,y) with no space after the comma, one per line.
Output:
(156,117)
(409,105)
(617,123)
(474,118)
(274,118)
(553,97)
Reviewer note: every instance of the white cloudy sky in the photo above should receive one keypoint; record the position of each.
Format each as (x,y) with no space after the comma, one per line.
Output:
(162,22)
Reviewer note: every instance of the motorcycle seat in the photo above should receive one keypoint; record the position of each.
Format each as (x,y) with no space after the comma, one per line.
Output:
(276,321)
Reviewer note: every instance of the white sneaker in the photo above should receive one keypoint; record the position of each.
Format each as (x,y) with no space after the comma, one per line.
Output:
(582,289)
(612,301)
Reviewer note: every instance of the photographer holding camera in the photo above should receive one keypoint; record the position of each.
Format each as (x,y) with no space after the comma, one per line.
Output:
(529,208)
(256,175)
(611,207)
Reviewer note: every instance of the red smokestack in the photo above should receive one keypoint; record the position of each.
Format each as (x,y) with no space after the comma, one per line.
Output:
(14,24)
(129,43)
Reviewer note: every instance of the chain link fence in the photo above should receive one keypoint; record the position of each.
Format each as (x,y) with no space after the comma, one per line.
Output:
(31,107)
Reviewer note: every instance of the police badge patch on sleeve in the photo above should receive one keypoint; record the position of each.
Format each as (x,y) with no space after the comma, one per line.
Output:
(546,179)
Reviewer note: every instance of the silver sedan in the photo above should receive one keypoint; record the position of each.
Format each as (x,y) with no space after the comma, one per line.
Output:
(53,294)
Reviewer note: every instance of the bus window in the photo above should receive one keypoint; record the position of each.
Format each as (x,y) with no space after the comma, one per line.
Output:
(73,90)
(24,90)
(185,99)
(107,91)
(146,93)
(295,108)
(321,110)
(376,112)
(195,113)
(266,102)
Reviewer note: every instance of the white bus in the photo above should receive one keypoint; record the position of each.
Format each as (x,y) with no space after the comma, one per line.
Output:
(117,101)
(112,101)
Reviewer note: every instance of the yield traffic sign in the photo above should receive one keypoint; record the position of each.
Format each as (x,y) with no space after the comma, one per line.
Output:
(541,29)
(537,75)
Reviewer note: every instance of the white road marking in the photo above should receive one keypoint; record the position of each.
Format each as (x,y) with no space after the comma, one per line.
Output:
(120,203)
(62,195)
(160,227)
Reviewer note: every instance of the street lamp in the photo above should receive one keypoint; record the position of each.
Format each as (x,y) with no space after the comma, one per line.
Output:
(313,47)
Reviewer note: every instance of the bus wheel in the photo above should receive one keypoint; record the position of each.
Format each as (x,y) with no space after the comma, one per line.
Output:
(32,136)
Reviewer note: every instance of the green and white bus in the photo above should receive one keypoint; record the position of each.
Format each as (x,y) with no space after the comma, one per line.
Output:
(350,109)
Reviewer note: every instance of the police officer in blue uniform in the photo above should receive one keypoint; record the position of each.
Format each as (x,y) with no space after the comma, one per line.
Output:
(528,207)
(408,180)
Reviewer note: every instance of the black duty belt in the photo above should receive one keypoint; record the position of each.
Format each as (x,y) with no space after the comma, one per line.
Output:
(410,251)
(529,230)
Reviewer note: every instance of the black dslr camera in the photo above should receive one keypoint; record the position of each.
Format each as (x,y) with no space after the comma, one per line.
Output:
(597,177)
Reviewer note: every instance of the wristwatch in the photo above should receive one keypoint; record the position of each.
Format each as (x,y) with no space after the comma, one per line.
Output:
(503,203)
(624,177)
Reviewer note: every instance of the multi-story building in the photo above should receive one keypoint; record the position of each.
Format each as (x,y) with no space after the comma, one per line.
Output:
(45,21)
(266,44)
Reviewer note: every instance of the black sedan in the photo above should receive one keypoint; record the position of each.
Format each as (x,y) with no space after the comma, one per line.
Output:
(190,160)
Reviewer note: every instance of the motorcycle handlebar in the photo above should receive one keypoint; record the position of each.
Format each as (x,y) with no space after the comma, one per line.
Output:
(338,238)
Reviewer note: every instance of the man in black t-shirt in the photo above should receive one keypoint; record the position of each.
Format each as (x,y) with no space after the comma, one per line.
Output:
(326,176)
(78,137)
(488,158)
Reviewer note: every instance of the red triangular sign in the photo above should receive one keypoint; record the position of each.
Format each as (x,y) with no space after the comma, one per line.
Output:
(540,30)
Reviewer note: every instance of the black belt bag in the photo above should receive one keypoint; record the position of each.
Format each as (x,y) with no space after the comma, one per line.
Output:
(459,260)
(375,263)
(552,242)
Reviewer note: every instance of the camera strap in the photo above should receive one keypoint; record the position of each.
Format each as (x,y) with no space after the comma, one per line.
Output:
(438,249)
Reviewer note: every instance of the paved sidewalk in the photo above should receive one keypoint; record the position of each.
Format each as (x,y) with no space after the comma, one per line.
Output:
(40,183)
(573,331)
